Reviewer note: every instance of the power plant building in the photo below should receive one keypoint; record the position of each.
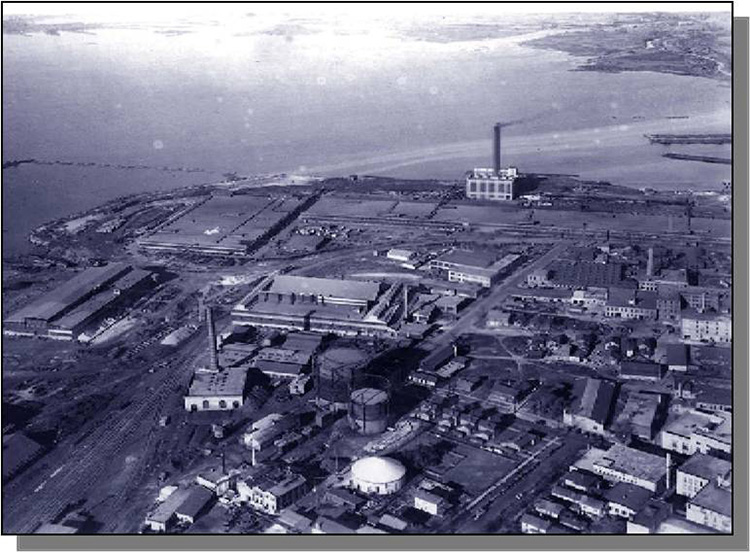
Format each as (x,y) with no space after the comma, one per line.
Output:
(497,183)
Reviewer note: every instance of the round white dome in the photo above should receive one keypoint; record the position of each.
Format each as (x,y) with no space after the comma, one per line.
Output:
(377,470)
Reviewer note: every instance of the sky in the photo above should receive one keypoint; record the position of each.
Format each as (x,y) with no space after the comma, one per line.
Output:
(91,11)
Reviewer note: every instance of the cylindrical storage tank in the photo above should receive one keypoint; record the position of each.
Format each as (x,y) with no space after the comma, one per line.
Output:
(368,410)
(377,475)
(335,370)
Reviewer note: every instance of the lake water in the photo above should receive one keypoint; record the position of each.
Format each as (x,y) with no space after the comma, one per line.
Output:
(378,103)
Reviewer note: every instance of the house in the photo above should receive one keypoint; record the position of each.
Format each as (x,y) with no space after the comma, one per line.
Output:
(294,521)
(327,526)
(549,509)
(626,500)
(400,255)
(300,385)
(641,371)
(650,517)
(541,277)
(678,357)
(532,524)
(580,481)
(345,498)
(163,517)
(392,522)
(506,398)
(425,379)
(217,480)
(195,504)
(429,502)
(497,318)
(456,364)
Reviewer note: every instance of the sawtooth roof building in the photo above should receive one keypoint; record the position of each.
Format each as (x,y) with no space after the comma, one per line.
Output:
(80,303)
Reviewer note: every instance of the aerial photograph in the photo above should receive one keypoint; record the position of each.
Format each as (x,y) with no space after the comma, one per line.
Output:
(320,268)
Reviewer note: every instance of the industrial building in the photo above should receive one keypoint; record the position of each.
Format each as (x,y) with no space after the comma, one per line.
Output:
(592,406)
(224,390)
(270,495)
(323,305)
(377,475)
(631,304)
(709,327)
(696,431)
(80,303)
(473,267)
(711,507)
(581,274)
(497,183)
(325,291)
(699,471)
(641,416)
(213,387)
(627,465)
(225,226)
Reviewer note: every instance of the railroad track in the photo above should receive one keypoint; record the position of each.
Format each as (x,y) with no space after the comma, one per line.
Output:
(27,510)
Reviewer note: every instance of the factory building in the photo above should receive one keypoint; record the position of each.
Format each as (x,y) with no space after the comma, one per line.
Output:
(699,471)
(213,387)
(225,226)
(627,465)
(581,274)
(325,291)
(497,183)
(641,415)
(271,496)
(80,303)
(323,305)
(696,431)
(631,304)
(711,507)
(224,390)
(377,475)
(709,327)
(592,406)
(473,267)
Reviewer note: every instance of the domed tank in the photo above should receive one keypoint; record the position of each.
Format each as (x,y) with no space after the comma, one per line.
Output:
(335,370)
(377,475)
(368,410)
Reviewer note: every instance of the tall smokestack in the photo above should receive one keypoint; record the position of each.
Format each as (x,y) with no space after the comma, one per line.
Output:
(650,264)
(212,340)
(496,152)
(406,302)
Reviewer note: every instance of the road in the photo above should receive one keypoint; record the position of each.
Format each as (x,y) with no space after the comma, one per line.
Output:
(473,313)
